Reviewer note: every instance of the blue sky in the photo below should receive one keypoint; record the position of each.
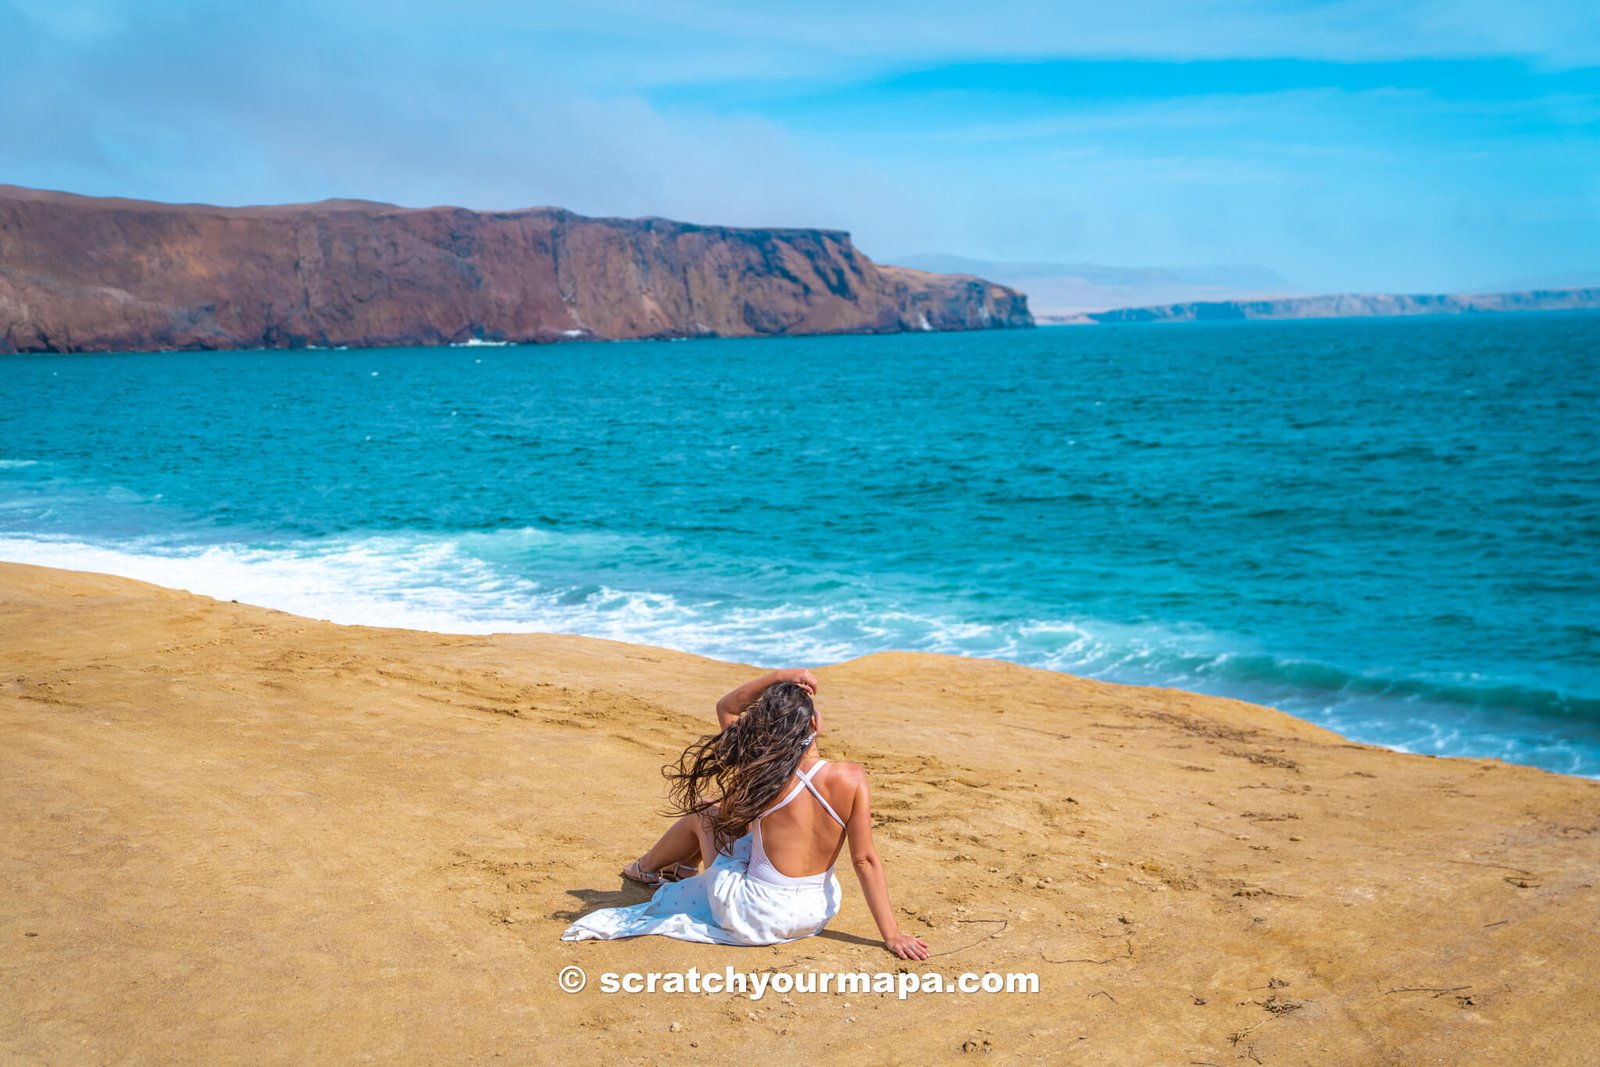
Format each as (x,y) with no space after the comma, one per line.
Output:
(1350,145)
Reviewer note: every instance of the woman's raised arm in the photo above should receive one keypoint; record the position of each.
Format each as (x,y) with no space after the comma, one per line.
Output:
(733,705)
(869,869)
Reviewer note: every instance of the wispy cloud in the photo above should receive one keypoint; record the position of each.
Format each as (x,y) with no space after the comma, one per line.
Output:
(1553,33)
(1355,143)
(199,103)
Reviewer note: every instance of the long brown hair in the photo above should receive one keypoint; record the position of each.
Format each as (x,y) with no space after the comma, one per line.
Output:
(743,768)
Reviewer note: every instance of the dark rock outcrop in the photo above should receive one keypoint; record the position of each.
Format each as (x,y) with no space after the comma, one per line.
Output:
(91,274)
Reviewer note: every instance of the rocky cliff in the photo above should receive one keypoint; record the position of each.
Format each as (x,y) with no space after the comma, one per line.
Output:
(1356,305)
(91,274)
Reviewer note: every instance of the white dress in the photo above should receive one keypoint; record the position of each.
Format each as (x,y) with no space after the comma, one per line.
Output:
(741,899)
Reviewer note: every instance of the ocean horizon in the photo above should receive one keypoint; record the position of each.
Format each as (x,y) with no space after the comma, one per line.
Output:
(1385,527)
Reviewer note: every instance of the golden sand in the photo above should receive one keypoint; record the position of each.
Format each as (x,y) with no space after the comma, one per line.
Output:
(236,835)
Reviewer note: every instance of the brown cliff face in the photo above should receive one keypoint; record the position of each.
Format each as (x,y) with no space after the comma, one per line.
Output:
(89,274)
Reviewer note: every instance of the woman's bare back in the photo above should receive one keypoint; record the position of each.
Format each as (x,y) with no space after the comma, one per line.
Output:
(801,838)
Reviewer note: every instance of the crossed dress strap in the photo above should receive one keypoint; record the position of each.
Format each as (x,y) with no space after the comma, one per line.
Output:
(806,784)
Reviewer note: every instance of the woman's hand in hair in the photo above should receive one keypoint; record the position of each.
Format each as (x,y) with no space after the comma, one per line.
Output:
(801,677)
(733,705)
(906,947)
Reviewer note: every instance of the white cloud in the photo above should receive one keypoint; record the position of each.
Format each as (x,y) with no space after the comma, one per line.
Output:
(227,108)
(824,35)
(500,105)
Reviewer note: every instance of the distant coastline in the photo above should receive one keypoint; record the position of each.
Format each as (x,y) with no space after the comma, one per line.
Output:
(1343,306)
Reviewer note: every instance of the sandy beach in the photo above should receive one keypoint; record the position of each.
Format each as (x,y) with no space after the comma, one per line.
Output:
(234,834)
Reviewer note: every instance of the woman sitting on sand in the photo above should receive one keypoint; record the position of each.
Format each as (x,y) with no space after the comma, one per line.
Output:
(778,808)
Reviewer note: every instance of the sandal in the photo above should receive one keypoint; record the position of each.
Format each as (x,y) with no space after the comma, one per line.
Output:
(634,873)
(675,873)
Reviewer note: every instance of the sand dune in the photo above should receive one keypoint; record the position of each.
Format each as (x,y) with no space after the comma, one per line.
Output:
(236,835)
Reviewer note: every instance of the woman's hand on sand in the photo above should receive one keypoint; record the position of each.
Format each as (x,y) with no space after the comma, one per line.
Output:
(906,947)
(801,677)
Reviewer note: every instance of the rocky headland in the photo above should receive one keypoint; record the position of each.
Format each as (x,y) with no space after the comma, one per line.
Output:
(83,274)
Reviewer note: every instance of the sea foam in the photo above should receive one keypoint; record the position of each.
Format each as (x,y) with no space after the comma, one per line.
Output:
(446,585)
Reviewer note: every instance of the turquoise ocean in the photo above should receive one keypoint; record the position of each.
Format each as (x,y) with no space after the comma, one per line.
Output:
(1387,527)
